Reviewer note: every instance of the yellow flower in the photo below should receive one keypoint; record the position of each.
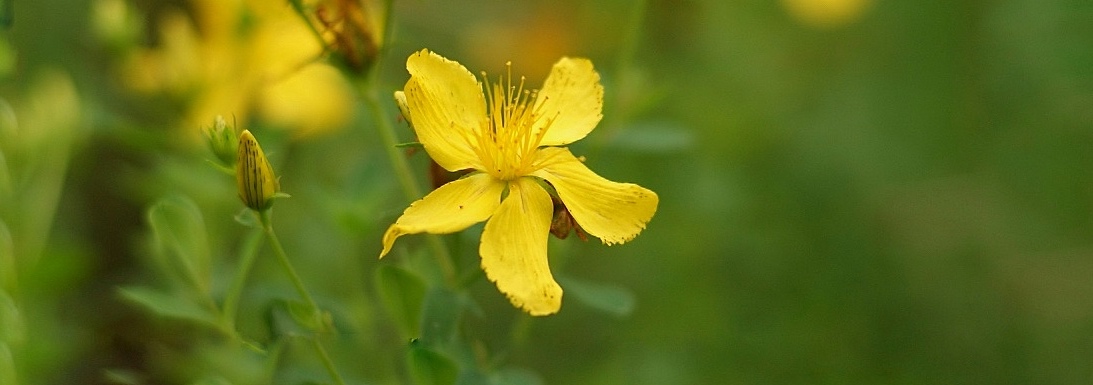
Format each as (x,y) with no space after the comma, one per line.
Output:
(510,137)
(245,59)
(826,13)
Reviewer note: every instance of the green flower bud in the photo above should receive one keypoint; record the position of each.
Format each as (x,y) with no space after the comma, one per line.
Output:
(222,140)
(255,178)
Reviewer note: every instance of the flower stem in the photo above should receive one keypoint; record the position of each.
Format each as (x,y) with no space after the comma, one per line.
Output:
(248,252)
(267,224)
(286,264)
(327,362)
(406,179)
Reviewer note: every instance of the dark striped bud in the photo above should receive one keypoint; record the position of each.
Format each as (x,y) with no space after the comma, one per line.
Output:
(257,182)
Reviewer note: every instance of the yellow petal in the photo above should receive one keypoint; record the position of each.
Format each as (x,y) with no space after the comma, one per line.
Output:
(514,249)
(446,105)
(313,100)
(450,208)
(614,212)
(571,100)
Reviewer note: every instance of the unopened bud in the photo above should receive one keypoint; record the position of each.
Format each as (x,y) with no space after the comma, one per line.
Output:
(257,183)
(563,222)
(357,29)
(222,140)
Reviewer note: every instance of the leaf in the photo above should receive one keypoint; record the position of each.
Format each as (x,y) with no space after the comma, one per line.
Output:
(7,365)
(428,367)
(247,218)
(654,137)
(169,306)
(179,231)
(440,316)
(610,299)
(291,317)
(515,376)
(121,377)
(403,293)
(12,328)
(212,380)
(7,258)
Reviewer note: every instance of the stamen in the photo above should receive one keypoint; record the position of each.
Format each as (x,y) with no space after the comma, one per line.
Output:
(507,141)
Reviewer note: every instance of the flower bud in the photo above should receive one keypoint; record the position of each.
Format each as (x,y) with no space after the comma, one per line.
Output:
(254,175)
(221,140)
(357,30)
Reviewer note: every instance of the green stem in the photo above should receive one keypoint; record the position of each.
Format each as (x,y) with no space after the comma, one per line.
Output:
(267,224)
(405,176)
(406,179)
(249,251)
(327,362)
(298,6)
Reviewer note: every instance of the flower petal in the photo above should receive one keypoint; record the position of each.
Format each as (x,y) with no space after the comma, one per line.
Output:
(514,249)
(446,105)
(614,212)
(450,208)
(571,100)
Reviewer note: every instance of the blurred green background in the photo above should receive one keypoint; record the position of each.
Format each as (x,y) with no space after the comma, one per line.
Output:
(852,192)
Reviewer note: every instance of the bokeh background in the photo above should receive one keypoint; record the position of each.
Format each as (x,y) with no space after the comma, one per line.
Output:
(852,191)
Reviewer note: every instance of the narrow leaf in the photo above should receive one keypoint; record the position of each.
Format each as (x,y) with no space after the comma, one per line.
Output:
(610,299)
(428,367)
(440,316)
(654,137)
(12,328)
(166,305)
(180,233)
(403,293)
(7,365)
(515,376)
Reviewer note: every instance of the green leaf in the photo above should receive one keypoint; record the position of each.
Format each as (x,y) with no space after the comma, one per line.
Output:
(12,328)
(292,317)
(212,380)
(515,376)
(180,233)
(166,305)
(654,137)
(410,145)
(440,316)
(7,365)
(7,259)
(121,377)
(403,293)
(428,367)
(247,218)
(610,299)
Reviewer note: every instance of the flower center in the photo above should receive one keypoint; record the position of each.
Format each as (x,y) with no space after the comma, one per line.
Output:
(507,140)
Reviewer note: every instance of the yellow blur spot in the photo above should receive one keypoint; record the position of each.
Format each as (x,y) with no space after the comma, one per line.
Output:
(826,13)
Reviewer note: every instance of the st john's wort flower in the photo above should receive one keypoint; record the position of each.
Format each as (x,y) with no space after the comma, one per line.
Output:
(512,140)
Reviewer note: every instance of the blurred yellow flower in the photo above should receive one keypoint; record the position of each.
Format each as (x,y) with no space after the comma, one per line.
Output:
(826,13)
(511,138)
(238,58)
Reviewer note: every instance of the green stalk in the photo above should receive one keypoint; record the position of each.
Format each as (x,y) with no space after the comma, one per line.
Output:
(327,362)
(409,185)
(282,257)
(279,251)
